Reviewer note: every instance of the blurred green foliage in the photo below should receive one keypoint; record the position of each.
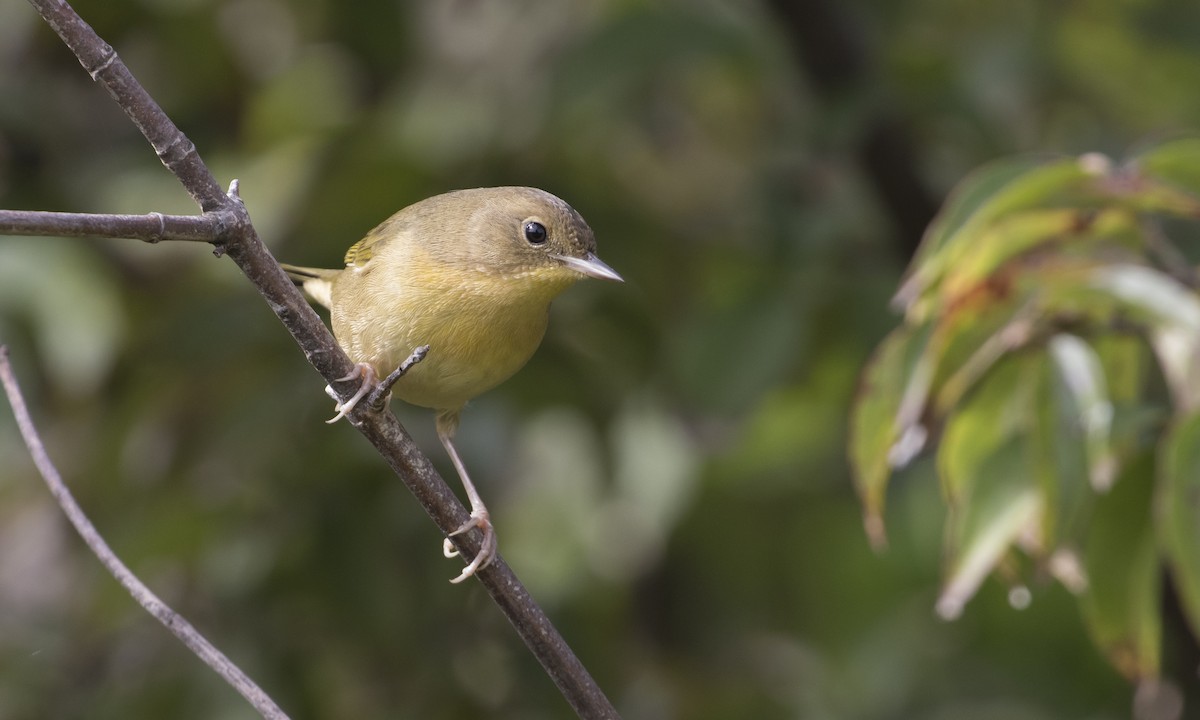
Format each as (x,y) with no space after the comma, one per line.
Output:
(668,474)
(1052,329)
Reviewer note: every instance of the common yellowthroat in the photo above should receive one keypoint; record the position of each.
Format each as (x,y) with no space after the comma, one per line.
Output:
(469,275)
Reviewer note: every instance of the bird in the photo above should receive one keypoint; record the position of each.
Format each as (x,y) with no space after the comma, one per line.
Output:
(448,298)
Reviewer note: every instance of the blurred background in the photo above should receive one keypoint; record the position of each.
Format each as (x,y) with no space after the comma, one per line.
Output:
(668,473)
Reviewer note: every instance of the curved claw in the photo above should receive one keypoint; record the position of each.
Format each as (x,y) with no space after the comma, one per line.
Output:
(487,548)
(367,373)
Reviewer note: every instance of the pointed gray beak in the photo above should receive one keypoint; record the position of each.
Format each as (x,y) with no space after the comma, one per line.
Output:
(591,266)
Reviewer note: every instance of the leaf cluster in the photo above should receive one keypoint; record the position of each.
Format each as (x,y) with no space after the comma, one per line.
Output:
(1050,349)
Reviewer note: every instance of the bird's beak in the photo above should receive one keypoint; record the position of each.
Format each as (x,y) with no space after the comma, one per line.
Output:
(591,266)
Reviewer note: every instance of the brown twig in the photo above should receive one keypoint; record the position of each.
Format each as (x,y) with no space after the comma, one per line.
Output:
(235,235)
(170,619)
(151,228)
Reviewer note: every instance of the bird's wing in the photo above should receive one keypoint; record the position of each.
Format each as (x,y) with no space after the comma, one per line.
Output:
(361,252)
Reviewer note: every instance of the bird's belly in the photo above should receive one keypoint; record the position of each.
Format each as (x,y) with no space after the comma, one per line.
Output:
(448,382)
(467,355)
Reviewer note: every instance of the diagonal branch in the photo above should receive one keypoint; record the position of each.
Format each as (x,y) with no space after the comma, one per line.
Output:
(170,619)
(235,235)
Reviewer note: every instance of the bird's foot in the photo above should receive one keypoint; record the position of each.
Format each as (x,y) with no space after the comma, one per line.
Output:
(487,548)
(367,373)
(376,392)
(379,396)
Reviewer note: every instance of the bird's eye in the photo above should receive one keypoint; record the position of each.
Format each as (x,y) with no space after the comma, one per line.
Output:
(535,232)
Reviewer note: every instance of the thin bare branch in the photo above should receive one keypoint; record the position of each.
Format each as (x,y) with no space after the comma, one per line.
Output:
(170,619)
(151,228)
(237,238)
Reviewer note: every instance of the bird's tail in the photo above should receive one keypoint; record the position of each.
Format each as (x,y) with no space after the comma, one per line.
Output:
(317,283)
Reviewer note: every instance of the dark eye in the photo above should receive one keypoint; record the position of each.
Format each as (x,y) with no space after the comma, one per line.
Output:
(535,232)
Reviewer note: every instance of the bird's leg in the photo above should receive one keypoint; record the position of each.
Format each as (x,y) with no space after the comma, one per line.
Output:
(379,396)
(446,424)
(376,392)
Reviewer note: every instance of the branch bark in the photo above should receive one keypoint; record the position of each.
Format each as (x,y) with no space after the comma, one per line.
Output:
(234,234)
(170,619)
(151,228)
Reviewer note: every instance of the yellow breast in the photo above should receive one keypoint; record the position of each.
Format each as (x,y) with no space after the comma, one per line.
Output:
(480,327)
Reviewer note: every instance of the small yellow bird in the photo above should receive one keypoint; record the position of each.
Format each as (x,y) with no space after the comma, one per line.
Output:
(469,276)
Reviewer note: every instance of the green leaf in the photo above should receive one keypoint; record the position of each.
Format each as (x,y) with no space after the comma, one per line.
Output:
(1121,602)
(961,347)
(1014,234)
(1160,299)
(967,197)
(1167,311)
(1061,468)
(986,462)
(1066,466)
(1123,362)
(873,428)
(1171,313)
(977,336)
(996,193)
(1000,408)
(1178,353)
(1176,163)
(1178,506)
(1004,503)
(1083,376)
